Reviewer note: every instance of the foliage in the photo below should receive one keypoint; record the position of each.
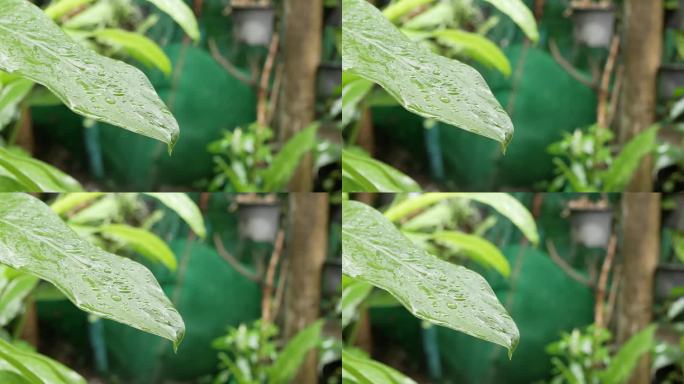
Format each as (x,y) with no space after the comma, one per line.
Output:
(376,253)
(425,83)
(585,356)
(245,161)
(249,354)
(37,244)
(360,172)
(585,160)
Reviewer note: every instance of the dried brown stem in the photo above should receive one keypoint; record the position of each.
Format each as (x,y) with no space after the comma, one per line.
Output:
(565,266)
(241,269)
(267,289)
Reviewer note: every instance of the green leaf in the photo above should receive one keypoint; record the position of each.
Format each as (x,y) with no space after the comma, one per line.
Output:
(373,250)
(16,286)
(427,84)
(520,14)
(59,8)
(475,46)
(143,242)
(504,203)
(94,86)
(475,247)
(286,161)
(36,368)
(9,377)
(400,8)
(360,369)
(185,208)
(181,14)
(11,94)
(364,174)
(69,201)
(353,92)
(137,46)
(287,364)
(625,361)
(625,164)
(353,295)
(35,175)
(35,240)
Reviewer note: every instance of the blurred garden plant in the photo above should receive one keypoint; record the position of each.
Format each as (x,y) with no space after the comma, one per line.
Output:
(40,252)
(405,257)
(250,354)
(585,160)
(382,47)
(245,160)
(586,357)
(49,57)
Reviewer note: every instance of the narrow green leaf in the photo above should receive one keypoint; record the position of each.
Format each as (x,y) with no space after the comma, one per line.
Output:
(10,377)
(625,164)
(440,292)
(35,240)
(69,201)
(11,94)
(59,8)
(287,364)
(142,241)
(475,247)
(137,46)
(181,14)
(625,361)
(19,285)
(352,296)
(286,161)
(504,203)
(361,369)
(402,7)
(427,84)
(35,175)
(89,84)
(363,174)
(35,367)
(185,208)
(520,14)
(475,46)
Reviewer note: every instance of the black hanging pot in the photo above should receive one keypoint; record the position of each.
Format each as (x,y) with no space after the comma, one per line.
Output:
(668,277)
(670,77)
(329,78)
(253,25)
(332,277)
(591,227)
(593,24)
(259,221)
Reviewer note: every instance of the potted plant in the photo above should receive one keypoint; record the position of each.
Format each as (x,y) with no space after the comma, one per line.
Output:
(593,22)
(329,78)
(253,21)
(671,74)
(668,277)
(332,276)
(591,222)
(259,217)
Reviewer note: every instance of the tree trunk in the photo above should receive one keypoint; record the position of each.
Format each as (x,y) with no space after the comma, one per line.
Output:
(301,58)
(641,55)
(640,251)
(307,249)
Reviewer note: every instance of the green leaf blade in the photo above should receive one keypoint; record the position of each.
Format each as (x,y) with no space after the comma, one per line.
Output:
(440,292)
(35,240)
(143,242)
(185,208)
(424,83)
(181,14)
(520,14)
(94,86)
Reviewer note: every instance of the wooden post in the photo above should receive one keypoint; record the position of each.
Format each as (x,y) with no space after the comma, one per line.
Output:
(301,58)
(643,25)
(640,250)
(308,245)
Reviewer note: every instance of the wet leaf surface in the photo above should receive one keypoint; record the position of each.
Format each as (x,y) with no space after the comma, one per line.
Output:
(35,240)
(430,85)
(442,293)
(34,47)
